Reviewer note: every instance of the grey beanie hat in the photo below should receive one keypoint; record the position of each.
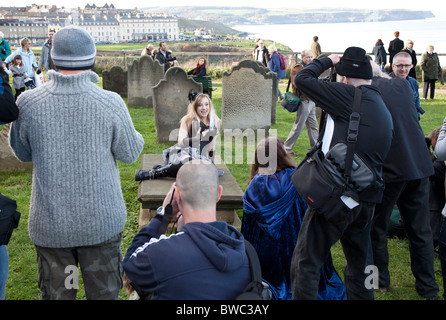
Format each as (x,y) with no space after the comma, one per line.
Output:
(73,48)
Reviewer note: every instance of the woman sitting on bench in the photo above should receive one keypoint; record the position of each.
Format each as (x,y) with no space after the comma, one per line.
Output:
(196,139)
(200,69)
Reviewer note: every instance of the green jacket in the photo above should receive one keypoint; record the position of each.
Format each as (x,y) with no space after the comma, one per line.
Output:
(5,50)
(430,64)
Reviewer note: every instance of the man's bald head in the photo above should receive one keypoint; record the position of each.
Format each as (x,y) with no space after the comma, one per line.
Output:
(198,184)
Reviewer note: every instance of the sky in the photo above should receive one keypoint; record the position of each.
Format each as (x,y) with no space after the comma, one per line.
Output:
(436,6)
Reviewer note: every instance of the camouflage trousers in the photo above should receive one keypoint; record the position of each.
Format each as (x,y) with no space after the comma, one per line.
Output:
(100,266)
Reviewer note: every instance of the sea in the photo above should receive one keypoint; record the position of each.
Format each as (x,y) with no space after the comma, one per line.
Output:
(336,37)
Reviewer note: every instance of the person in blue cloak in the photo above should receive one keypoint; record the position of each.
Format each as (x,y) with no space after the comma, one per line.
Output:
(272,216)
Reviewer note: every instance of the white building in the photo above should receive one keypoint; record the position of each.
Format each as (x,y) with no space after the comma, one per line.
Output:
(140,26)
(105,24)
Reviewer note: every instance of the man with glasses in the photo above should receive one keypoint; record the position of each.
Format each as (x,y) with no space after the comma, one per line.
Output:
(261,53)
(402,63)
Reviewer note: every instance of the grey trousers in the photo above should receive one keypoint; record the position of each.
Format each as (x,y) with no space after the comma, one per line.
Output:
(305,116)
(100,266)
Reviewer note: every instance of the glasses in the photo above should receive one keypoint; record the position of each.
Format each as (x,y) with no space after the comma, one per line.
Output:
(403,65)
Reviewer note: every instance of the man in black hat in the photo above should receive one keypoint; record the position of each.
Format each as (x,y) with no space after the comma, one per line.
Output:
(317,234)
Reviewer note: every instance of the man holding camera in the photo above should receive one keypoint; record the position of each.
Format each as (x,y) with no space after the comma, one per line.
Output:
(353,220)
(206,259)
(164,57)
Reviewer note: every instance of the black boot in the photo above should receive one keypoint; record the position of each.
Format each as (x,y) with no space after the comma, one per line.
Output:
(151,174)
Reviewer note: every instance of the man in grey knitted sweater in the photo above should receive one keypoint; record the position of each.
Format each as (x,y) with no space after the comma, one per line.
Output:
(74,132)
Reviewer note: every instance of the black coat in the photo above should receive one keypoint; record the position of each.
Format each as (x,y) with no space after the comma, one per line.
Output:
(8,108)
(165,60)
(395,46)
(201,72)
(409,157)
(375,128)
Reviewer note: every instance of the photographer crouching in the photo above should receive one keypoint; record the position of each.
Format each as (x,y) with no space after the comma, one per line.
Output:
(206,259)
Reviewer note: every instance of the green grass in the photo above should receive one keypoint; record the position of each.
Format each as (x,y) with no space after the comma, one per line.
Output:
(22,280)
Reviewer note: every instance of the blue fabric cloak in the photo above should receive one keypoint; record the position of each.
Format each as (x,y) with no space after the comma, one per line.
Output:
(273,214)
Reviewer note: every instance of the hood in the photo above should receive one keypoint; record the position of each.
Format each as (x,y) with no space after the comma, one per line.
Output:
(222,244)
(265,192)
(271,199)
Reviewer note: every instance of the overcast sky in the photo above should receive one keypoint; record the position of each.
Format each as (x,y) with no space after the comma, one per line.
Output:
(437,7)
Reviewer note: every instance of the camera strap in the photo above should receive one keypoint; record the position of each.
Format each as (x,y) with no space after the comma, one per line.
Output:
(352,133)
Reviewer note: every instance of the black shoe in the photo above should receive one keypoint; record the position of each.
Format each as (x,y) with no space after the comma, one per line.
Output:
(150,174)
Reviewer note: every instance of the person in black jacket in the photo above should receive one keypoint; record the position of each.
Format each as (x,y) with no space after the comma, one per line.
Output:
(395,46)
(8,113)
(164,57)
(8,108)
(200,69)
(406,173)
(318,234)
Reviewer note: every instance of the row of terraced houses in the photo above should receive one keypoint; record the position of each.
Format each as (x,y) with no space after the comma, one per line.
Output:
(105,24)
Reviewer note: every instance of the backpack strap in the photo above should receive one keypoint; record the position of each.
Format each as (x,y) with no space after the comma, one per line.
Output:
(254,263)
(254,289)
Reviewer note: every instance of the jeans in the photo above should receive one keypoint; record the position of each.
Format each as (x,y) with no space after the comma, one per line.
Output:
(427,84)
(316,237)
(442,251)
(4,266)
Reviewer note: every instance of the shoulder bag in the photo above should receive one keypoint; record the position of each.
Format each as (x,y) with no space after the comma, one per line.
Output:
(331,182)
(290,101)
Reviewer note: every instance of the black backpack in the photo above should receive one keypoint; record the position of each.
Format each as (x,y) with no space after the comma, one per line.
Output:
(9,218)
(256,289)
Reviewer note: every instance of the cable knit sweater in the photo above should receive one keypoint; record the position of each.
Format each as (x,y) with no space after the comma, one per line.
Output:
(74,132)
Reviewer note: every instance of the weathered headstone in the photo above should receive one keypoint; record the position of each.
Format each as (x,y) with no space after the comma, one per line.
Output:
(170,101)
(249,96)
(115,80)
(8,161)
(143,74)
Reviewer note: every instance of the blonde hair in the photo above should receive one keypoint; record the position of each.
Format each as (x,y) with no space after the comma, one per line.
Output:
(192,110)
(24,41)
(272,48)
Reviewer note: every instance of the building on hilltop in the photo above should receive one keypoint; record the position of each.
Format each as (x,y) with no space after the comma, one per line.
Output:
(105,24)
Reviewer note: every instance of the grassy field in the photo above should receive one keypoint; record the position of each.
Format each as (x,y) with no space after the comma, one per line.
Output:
(22,280)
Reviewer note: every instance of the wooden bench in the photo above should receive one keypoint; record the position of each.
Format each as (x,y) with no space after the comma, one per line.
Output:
(206,83)
(151,193)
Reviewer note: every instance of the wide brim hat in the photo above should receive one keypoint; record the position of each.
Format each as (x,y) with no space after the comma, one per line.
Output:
(73,48)
(355,64)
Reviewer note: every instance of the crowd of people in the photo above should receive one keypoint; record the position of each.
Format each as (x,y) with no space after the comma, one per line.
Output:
(77,211)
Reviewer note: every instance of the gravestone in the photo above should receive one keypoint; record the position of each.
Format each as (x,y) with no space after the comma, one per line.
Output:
(142,75)
(249,96)
(115,80)
(8,160)
(170,101)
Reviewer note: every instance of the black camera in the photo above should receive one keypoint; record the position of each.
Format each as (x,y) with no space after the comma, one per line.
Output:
(3,50)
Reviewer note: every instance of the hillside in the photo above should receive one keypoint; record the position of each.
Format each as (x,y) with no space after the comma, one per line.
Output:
(246,15)
(217,28)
